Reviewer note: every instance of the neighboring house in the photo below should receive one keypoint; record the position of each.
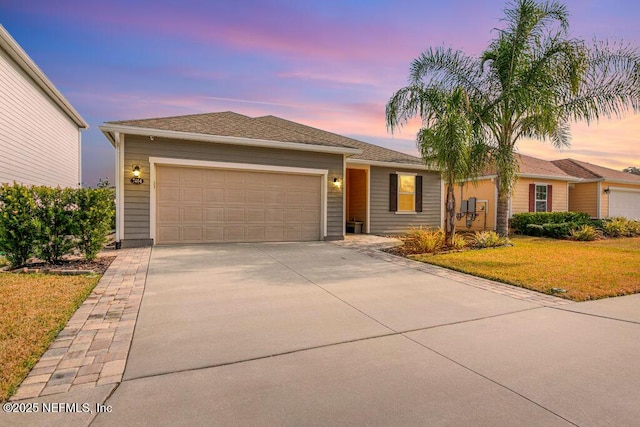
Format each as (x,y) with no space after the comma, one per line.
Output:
(541,187)
(602,192)
(225,177)
(40,132)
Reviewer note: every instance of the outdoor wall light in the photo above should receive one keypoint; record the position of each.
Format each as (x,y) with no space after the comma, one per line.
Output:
(606,190)
(337,183)
(136,171)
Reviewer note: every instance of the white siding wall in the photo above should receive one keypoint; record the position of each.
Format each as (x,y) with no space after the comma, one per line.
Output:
(39,144)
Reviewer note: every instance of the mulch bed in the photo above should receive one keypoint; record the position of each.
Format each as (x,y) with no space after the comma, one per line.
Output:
(67,266)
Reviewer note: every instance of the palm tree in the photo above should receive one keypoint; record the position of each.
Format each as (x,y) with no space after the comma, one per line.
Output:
(531,82)
(447,141)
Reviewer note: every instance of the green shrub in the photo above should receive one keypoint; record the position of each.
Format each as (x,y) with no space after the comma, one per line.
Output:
(55,213)
(92,219)
(584,233)
(558,231)
(488,239)
(52,222)
(520,221)
(19,226)
(534,230)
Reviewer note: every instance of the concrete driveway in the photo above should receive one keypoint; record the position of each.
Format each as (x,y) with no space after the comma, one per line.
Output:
(315,334)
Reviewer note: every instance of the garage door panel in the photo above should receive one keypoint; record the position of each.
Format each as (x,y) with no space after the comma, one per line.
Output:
(255,197)
(214,234)
(624,203)
(192,214)
(168,194)
(191,194)
(275,197)
(256,215)
(214,215)
(169,175)
(168,234)
(234,196)
(214,177)
(191,176)
(275,215)
(234,215)
(169,214)
(213,195)
(192,234)
(256,234)
(215,205)
(234,234)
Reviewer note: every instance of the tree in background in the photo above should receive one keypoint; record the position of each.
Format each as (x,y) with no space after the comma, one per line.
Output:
(531,82)
(632,169)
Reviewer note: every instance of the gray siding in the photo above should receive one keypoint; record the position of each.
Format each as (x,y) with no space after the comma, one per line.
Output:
(138,150)
(384,221)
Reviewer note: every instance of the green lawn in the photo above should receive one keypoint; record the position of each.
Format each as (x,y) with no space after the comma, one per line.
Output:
(33,309)
(586,270)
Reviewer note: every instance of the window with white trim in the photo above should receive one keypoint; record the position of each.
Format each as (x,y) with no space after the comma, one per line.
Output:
(541,198)
(406,193)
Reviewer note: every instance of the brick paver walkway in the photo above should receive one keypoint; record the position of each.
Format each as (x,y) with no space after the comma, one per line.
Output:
(372,245)
(93,347)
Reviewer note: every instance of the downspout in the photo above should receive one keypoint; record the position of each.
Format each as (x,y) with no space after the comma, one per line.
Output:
(599,201)
(79,158)
(442,202)
(344,195)
(119,143)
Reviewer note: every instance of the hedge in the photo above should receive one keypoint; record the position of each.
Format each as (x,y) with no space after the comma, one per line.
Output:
(51,223)
(520,222)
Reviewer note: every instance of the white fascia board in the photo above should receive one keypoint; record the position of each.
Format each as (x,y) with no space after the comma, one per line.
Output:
(13,49)
(621,181)
(235,166)
(389,164)
(549,177)
(626,189)
(233,140)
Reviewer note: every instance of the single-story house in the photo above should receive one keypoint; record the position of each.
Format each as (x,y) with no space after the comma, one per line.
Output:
(226,177)
(541,187)
(602,192)
(40,132)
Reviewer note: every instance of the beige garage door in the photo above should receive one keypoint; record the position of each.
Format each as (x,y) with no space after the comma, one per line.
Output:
(198,205)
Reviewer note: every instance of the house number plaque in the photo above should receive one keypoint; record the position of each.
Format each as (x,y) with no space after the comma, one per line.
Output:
(137,180)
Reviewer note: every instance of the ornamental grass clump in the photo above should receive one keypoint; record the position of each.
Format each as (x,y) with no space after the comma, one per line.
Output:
(420,240)
(584,233)
(621,227)
(488,239)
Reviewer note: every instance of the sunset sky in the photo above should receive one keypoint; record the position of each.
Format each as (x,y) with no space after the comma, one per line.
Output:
(327,64)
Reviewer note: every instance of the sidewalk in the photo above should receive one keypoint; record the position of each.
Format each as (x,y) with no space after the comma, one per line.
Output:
(92,349)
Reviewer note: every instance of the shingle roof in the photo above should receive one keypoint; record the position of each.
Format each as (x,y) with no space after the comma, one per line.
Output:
(226,123)
(535,166)
(369,151)
(269,128)
(586,170)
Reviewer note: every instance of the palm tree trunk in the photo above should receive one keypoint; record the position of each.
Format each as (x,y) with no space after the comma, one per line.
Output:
(502,208)
(450,226)
(502,215)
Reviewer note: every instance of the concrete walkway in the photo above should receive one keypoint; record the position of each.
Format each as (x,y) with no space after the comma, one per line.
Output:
(316,333)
